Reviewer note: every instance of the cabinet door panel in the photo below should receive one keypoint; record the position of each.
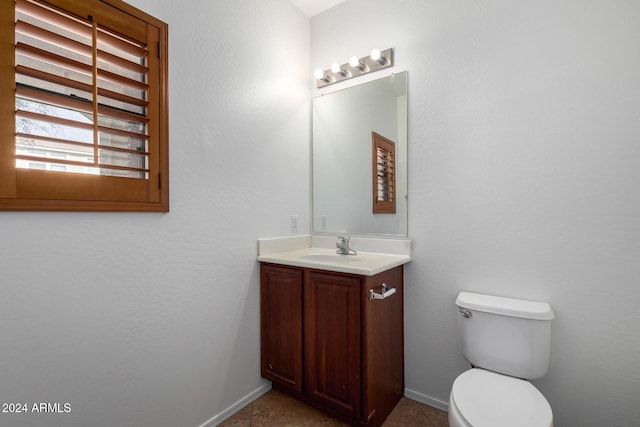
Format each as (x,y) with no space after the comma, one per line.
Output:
(281,325)
(332,340)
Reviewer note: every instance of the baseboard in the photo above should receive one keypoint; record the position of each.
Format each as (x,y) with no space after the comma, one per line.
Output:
(427,400)
(227,413)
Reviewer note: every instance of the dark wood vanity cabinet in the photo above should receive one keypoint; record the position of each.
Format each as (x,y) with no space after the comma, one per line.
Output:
(325,342)
(281,325)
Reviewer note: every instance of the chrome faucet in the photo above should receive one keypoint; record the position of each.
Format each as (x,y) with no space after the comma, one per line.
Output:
(343,246)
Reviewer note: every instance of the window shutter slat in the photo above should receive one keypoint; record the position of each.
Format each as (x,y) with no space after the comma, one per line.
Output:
(76,104)
(120,79)
(62,81)
(41,34)
(52,140)
(52,78)
(50,98)
(52,58)
(81,164)
(124,115)
(54,120)
(107,39)
(122,97)
(122,62)
(121,132)
(54,17)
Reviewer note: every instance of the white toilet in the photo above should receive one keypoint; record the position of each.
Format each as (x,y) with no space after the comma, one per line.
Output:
(507,341)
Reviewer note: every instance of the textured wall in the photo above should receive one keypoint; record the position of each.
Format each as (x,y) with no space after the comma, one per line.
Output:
(153,319)
(524,120)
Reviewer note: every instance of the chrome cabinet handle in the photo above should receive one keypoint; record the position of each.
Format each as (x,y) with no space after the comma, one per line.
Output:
(386,292)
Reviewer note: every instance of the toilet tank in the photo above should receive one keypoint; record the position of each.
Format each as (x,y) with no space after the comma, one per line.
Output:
(505,335)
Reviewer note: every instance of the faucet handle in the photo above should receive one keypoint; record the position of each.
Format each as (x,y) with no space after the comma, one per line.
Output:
(342,241)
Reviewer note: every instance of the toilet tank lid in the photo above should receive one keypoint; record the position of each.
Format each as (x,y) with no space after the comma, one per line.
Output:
(505,306)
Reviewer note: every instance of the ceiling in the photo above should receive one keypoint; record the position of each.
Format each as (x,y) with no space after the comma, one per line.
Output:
(314,7)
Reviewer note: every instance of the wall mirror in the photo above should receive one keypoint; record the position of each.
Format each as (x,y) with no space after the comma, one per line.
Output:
(345,123)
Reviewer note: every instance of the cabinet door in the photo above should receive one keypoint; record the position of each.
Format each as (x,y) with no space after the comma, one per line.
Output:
(332,340)
(383,345)
(281,325)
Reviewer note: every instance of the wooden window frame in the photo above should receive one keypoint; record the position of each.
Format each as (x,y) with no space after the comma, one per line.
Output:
(36,190)
(384,182)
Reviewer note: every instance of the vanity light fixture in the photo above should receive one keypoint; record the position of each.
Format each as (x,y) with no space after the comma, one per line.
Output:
(376,61)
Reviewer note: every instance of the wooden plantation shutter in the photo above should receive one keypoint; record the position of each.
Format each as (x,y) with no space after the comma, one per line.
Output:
(90,108)
(384,174)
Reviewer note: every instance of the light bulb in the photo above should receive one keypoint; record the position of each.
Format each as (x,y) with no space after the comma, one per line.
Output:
(356,63)
(319,74)
(376,55)
(337,69)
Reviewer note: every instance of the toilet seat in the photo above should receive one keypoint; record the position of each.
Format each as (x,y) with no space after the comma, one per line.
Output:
(489,399)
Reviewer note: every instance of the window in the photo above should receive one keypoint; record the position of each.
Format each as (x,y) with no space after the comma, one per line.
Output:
(384,174)
(83,107)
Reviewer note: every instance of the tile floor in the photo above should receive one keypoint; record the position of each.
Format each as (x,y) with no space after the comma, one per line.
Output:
(276,409)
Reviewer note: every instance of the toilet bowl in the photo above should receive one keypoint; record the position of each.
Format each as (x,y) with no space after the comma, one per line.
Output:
(507,341)
(481,398)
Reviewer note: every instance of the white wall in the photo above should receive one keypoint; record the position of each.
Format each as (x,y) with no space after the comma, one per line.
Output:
(524,153)
(153,319)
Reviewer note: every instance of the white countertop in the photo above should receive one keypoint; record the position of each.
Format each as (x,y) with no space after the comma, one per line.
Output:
(299,252)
